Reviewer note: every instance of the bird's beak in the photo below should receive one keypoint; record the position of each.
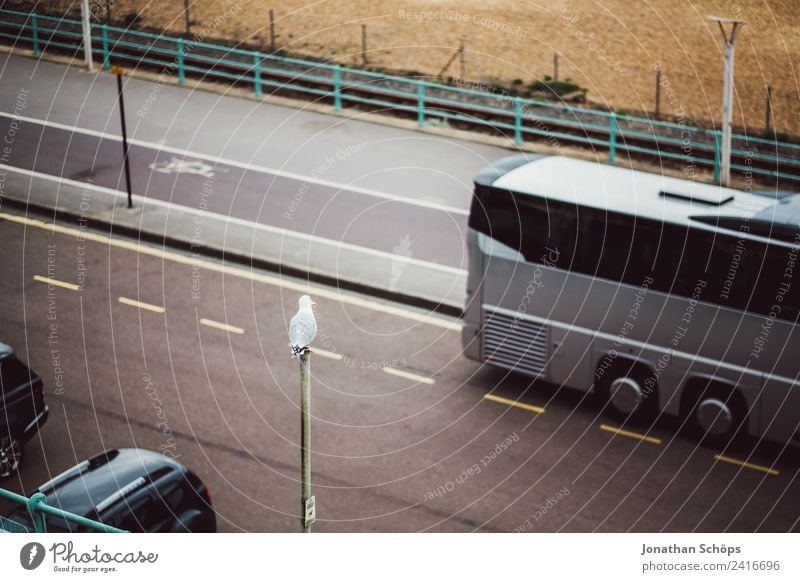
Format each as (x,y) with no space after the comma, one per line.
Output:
(313,303)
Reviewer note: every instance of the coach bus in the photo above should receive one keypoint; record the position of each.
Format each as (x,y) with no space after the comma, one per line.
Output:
(659,295)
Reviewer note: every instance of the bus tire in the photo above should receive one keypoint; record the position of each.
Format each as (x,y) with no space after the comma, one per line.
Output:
(717,415)
(628,392)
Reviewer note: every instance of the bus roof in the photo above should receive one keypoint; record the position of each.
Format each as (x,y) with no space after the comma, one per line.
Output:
(633,192)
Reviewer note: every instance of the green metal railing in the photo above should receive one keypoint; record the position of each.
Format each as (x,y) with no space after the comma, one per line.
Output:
(424,100)
(39,510)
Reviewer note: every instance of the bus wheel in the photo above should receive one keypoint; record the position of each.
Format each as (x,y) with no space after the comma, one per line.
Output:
(629,393)
(717,416)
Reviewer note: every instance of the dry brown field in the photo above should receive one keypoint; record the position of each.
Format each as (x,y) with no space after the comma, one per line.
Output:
(610,47)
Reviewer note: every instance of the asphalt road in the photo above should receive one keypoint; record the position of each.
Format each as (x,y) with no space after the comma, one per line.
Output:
(417,447)
(346,180)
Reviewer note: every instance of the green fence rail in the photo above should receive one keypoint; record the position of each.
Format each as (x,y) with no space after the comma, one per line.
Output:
(424,100)
(39,510)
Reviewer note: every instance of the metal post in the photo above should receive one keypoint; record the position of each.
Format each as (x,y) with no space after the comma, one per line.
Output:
(658,93)
(612,138)
(337,88)
(727,95)
(420,104)
(768,110)
(462,68)
(106,56)
(717,154)
(555,67)
(518,121)
(186,16)
(181,65)
(307,501)
(364,44)
(118,72)
(257,73)
(35,35)
(87,34)
(37,516)
(271,31)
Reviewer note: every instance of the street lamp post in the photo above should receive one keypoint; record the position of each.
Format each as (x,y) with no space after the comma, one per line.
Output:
(308,509)
(87,34)
(727,94)
(118,72)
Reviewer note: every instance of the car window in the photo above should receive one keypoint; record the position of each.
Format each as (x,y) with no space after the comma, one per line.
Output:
(13,373)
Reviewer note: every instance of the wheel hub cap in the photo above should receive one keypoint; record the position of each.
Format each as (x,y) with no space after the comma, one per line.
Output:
(626,394)
(714,417)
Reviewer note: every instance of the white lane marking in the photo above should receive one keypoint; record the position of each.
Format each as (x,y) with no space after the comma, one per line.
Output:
(317,291)
(240,222)
(141,305)
(408,375)
(221,326)
(243,165)
(56,282)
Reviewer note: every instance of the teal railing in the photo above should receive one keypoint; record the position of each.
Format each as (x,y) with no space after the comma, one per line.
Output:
(424,100)
(39,510)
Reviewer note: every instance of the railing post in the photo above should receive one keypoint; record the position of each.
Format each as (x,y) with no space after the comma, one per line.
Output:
(37,516)
(612,138)
(106,56)
(181,66)
(518,121)
(35,35)
(337,88)
(420,104)
(257,73)
(717,155)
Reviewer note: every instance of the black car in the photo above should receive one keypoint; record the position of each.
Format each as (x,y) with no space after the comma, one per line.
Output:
(22,409)
(133,489)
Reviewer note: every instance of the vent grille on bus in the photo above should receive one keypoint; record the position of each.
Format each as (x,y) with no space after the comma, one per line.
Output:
(514,343)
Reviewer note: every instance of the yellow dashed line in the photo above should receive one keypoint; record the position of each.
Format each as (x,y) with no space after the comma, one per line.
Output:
(408,375)
(628,433)
(241,272)
(56,282)
(222,326)
(753,466)
(326,354)
(509,402)
(141,305)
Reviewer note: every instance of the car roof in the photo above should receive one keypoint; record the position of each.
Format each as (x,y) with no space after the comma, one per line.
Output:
(6,350)
(84,487)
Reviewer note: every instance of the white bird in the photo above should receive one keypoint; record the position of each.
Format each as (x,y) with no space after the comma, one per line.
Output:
(302,327)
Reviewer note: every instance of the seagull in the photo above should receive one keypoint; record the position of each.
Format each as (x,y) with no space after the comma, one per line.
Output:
(302,327)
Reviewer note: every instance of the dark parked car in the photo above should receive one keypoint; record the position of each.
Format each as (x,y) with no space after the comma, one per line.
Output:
(22,409)
(132,489)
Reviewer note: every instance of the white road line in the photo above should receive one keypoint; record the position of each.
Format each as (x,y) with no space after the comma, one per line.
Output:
(195,262)
(408,375)
(242,165)
(56,282)
(221,326)
(206,215)
(326,354)
(141,305)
